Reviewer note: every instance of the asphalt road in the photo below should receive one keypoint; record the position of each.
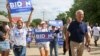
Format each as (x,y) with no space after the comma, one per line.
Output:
(34,51)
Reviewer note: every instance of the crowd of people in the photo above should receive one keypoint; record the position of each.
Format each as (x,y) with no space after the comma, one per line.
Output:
(76,35)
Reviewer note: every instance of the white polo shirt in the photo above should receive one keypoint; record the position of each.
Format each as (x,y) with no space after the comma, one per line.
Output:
(18,36)
(96,31)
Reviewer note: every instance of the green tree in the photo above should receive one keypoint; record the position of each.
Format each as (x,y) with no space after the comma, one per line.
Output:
(3,13)
(36,22)
(62,16)
(90,7)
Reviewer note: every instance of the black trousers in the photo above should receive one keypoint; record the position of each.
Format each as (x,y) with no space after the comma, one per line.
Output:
(64,48)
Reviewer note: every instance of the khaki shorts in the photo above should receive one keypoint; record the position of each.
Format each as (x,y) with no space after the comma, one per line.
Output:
(43,45)
(96,37)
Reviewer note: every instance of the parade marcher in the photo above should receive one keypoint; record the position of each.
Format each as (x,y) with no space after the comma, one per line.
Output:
(43,46)
(54,43)
(90,34)
(4,39)
(89,29)
(18,34)
(96,33)
(69,20)
(29,36)
(77,31)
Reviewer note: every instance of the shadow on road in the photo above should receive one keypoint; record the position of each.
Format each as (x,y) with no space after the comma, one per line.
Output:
(94,45)
(49,55)
(95,50)
(33,55)
(95,53)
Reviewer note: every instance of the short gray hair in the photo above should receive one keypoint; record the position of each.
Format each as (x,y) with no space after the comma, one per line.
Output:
(79,11)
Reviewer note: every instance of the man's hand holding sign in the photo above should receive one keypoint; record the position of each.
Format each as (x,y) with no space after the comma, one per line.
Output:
(8,6)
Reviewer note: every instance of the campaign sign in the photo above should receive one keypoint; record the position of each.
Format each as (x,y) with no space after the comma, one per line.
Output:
(20,5)
(60,38)
(28,39)
(43,36)
(57,23)
(60,41)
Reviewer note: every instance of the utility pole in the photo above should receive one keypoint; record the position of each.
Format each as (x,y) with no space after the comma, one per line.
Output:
(43,13)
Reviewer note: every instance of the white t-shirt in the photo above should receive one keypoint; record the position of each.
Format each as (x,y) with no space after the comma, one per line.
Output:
(96,31)
(18,36)
(89,29)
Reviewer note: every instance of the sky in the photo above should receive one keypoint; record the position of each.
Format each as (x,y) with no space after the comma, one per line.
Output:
(51,8)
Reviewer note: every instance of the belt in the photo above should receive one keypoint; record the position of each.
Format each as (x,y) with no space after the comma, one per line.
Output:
(18,46)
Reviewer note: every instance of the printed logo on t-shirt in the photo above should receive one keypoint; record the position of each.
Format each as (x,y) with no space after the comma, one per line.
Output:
(19,34)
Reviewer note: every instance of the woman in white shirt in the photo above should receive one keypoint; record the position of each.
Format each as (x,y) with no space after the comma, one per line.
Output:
(43,46)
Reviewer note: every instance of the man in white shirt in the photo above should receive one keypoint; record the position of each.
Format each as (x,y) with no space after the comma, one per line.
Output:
(96,33)
(18,34)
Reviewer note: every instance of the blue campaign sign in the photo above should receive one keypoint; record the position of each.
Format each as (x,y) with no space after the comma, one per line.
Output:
(20,5)
(60,38)
(55,23)
(43,36)
(60,41)
(28,39)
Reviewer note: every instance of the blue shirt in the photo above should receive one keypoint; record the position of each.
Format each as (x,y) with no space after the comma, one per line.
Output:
(77,31)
